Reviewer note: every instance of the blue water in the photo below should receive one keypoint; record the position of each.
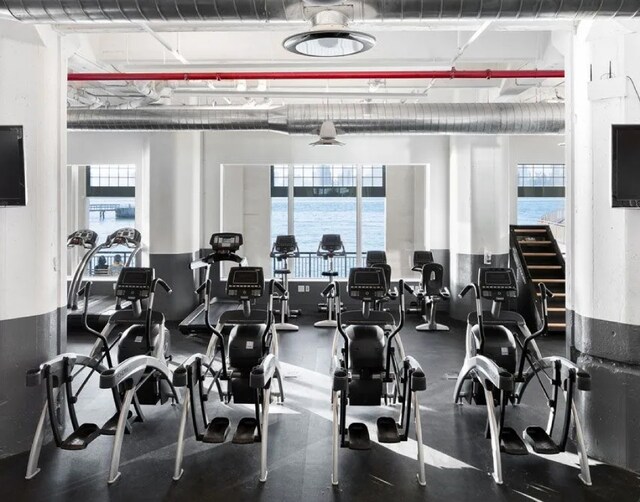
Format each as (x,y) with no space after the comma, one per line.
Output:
(532,209)
(314,216)
(110,223)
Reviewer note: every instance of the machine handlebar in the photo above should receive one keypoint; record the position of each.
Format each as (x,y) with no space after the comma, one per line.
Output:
(468,288)
(330,290)
(273,284)
(164,285)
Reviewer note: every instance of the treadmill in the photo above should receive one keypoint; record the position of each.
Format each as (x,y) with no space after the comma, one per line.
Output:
(101,307)
(224,247)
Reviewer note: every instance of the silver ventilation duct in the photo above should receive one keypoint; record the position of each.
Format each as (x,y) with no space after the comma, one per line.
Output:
(84,11)
(456,118)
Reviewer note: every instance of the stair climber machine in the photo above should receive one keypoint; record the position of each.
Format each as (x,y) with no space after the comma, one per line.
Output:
(224,247)
(330,246)
(284,248)
(429,293)
(370,368)
(142,377)
(100,307)
(498,346)
(242,369)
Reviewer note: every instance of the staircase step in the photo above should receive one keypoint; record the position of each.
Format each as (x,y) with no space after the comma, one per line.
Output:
(545,267)
(556,309)
(555,294)
(538,254)
(530,230)
(549,279)
(557,325)
(533,242)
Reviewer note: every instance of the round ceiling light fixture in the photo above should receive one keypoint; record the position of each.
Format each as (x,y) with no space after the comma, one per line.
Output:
(329,37)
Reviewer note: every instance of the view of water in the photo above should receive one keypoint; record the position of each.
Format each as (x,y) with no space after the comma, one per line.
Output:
(532,209)
(109,223)
(314,216)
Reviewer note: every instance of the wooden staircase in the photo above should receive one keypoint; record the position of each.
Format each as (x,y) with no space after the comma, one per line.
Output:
(541,260)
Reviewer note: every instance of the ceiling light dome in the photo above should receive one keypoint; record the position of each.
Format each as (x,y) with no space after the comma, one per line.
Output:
(329,37)
(327,135)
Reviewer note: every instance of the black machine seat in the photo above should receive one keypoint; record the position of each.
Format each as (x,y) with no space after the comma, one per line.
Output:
(499,345)
(375,318)
(432,284)
(256,316)
(245,346)
(420,259)
(366,347)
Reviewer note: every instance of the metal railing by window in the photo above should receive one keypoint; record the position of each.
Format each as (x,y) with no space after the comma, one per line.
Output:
(310,266)
(106,268)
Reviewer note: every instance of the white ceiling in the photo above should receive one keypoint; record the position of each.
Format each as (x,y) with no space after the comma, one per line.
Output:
(253,47)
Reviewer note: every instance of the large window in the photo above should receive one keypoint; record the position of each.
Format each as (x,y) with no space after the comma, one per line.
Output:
(326,200)
(541,197)
(110,205)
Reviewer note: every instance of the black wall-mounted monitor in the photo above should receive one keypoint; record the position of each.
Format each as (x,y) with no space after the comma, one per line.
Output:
(13,191)
(625,166)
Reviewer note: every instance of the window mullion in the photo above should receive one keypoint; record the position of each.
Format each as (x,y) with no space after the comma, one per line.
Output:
(358,214)
(290,201)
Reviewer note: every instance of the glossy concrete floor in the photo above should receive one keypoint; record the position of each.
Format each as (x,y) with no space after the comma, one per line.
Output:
(458,457)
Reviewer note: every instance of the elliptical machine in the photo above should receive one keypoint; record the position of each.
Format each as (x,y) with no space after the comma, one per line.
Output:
(248,366)
(142,377)
(330,246)
(371,369)
(285,247)
(498,343)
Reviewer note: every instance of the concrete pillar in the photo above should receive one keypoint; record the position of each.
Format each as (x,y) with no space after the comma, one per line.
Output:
(479,211)
(603,261)
(174,211)
(33,243)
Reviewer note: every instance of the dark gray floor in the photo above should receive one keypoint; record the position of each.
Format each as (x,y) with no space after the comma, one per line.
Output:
(457,454)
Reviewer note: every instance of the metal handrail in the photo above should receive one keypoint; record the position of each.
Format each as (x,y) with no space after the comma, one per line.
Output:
(310,265)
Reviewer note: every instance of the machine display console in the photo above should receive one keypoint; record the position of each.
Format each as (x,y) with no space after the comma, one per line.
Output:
(245,283)
(331,243)
(376,258)
(84,238)
(367,284)
(129,237)
(226,242)
(497,283)
(134,283)
(285,244)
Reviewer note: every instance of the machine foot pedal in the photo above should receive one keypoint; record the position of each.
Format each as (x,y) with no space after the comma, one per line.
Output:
(388,430)
(540,441)
(245,433)
(511,443)
(80,438)
(217,430)
(359,437)
(110,426)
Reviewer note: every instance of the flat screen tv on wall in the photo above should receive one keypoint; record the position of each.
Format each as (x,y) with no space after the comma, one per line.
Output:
(13,190)
(625,166)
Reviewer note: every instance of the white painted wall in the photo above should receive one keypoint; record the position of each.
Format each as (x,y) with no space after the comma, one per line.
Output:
(33,243)
(85,148)
(174,176)
(479,208)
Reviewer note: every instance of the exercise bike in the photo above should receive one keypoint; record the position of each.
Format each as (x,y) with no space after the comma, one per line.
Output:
(330,246)
(284,248)
(248,366)
(370,368)
(498,346)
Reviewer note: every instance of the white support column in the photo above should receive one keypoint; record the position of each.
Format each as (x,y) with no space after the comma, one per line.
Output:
(479,211)
(174,240)
(33,243)
(603,259)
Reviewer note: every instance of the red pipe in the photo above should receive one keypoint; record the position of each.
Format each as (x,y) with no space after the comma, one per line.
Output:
(319,75)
